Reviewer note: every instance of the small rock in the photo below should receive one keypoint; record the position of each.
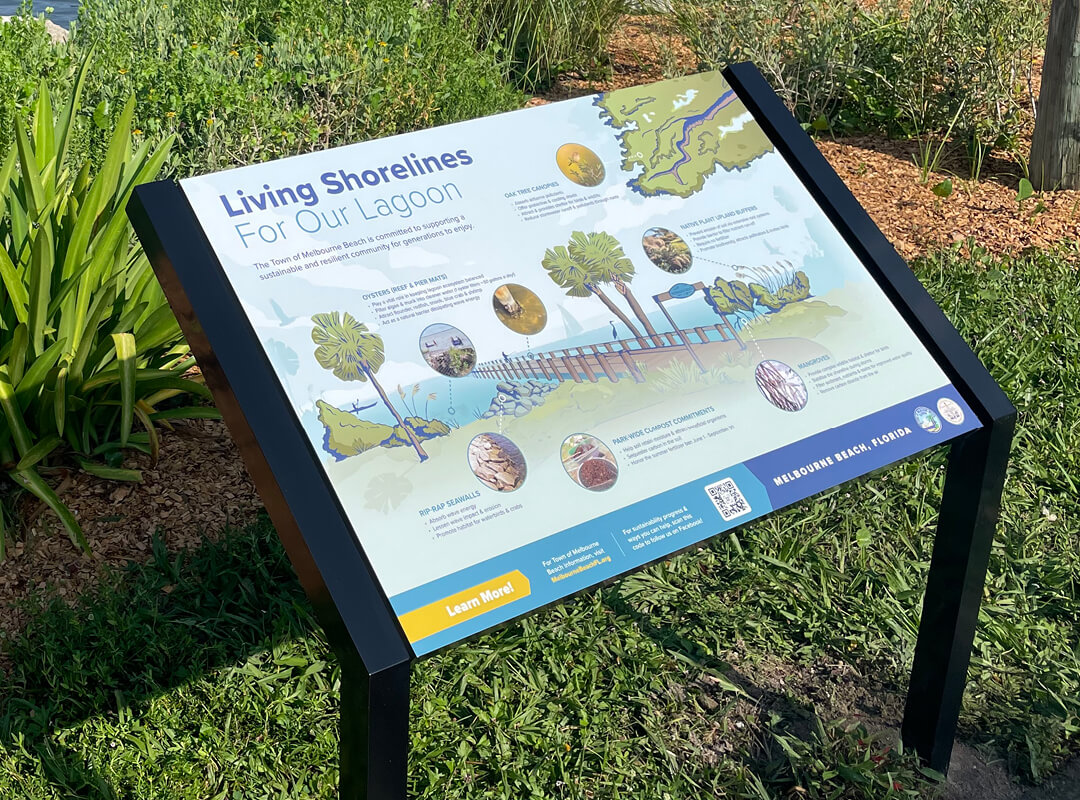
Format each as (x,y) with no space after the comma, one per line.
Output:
(58,34)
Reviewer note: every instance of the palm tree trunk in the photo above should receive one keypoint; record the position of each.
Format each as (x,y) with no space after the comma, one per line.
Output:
(614,309)
(639,312)
(386,401)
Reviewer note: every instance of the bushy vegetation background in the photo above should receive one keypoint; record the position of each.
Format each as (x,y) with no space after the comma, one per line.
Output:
(242,82)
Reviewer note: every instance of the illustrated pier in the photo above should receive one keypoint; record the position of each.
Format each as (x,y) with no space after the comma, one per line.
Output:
(622,358)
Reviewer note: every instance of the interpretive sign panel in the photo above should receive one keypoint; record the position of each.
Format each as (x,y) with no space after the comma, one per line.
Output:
(534,351)
(476,369)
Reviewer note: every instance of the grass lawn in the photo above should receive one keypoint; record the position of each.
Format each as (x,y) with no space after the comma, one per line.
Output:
(729,671)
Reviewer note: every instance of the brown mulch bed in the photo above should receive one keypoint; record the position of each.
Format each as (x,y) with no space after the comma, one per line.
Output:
(883,175)
(200,485)
(880,172)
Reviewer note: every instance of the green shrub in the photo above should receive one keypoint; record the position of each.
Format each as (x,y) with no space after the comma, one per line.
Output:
(545,37)
(239,83)
(88,345)
(903,67)
(26,55)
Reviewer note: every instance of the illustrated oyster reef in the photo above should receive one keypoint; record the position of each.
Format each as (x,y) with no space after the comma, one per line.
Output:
(517,399)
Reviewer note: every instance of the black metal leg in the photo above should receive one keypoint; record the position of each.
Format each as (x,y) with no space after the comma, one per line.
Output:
(374,732)
(969,514)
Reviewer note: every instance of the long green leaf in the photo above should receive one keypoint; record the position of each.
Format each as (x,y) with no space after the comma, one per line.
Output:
(16,424)
(31,176)
(30,480)
(143,412)
(16,289)
(111,473)
(143,376)
(28,387)
(83,230)
(85,429)
(117,155)
(60,402)
(67,115)
(188,412)
(159,328)
(41,273)
(111,241)
(103,300)
(182,384)
(126,323)
(16,361)
(125,355)
(101,196)
(104,250)
(44,132)
(20,227)
(152,166)
(38,452)
(66,288)
(7,170)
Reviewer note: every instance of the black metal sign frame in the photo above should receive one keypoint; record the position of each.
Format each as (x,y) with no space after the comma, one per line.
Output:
(374,653)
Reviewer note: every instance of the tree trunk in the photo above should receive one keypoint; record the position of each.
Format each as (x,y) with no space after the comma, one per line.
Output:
(639,312)
(1055,147)
(386,401)
(614,309)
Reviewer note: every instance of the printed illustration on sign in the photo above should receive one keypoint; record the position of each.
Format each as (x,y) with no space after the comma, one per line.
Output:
(667,250)
(538,350)
(519,309)
(680,134)
(589,462)
(353,353)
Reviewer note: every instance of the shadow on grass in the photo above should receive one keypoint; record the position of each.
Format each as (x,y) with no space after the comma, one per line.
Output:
(764,709)
(155,628)
(145,630)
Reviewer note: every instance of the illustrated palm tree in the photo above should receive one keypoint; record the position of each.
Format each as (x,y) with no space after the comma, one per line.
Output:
(353,353)
(589,261)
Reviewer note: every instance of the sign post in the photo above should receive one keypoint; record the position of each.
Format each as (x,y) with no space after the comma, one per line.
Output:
(977,463)
(418,343)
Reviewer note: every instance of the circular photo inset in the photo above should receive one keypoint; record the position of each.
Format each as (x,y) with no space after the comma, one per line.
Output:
(667,250)
(497,462)
(927,420)
(589,462)
(781,385)
(447,350)
(580,164)
(519,309)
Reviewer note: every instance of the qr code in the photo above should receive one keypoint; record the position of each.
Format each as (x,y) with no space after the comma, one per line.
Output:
(727,498)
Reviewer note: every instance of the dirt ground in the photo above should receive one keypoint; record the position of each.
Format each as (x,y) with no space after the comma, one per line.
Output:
(199,484)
